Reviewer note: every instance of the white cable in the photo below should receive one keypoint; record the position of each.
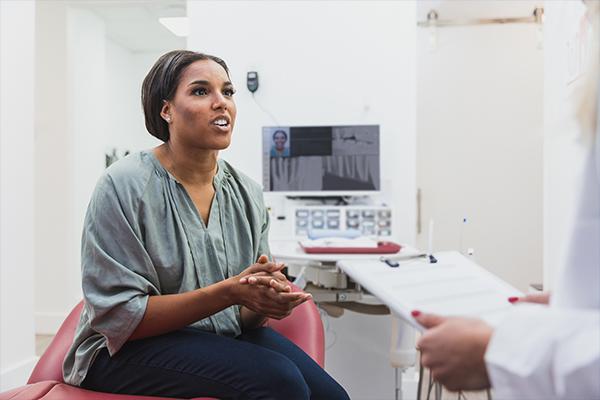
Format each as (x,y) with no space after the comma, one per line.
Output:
(299,280)
(265,110)
(327,328)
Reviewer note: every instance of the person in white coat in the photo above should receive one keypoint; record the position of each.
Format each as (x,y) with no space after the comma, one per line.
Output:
(537,351)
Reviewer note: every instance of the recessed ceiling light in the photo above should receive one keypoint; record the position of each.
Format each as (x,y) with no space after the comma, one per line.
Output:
(180,26)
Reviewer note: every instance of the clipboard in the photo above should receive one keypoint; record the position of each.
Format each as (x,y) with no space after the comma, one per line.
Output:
(382,248)
(455,285)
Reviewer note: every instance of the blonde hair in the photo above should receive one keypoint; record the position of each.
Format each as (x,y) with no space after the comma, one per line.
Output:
(587,112)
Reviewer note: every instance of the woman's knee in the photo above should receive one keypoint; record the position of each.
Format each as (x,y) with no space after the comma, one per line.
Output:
(333,392)
(280,378)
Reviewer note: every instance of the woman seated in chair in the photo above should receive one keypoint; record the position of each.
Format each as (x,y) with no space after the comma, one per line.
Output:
(176,276)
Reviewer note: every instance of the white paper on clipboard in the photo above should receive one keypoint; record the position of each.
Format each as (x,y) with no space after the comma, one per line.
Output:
(455,285)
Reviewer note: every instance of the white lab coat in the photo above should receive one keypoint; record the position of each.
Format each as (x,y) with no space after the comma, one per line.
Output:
(541,352)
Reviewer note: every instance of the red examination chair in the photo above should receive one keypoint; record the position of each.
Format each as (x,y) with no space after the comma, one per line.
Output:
(303,327)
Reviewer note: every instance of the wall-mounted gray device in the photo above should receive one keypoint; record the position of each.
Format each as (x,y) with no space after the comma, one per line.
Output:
(252,81)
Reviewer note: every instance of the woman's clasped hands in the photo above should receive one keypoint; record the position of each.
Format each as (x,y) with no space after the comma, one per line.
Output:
(264,289)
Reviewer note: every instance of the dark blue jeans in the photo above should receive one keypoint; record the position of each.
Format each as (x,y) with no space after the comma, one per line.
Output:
(259,364)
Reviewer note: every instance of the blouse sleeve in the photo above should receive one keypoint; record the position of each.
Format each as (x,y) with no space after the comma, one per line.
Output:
(263,245)
(546,353)
(117,273)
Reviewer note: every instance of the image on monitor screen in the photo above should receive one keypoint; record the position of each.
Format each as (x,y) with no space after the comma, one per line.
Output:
(321,158)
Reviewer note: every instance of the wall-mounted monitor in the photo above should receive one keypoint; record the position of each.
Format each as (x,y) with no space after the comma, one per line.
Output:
(321,160)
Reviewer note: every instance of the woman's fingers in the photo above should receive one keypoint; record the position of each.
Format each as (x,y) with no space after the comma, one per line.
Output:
(270,302)
(269,267)
(263,267)
(294,298)
(454,349)
(304,299)
(268,281)
(244,279)
(283,298)
(427,320)
(280,286)
(279,276)
(289,306)
(539,298)
(275,280)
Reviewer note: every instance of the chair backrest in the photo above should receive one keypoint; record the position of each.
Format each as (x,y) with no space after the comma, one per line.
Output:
(49,366)
(303,327)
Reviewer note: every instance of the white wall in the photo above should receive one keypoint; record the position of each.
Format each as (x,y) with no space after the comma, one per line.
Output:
(480,137)
(563,152)
(87,102)
(17,349)
(86,91)
(328,62)
(70,141)
(52,169)
(124,119)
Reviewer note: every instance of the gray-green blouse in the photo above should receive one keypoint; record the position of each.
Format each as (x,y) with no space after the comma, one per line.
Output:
(143,236)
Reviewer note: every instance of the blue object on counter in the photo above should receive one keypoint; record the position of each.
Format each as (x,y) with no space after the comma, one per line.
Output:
(334,233)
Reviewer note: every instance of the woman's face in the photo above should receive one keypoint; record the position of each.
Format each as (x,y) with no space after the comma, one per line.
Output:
(279,140)
(202,111)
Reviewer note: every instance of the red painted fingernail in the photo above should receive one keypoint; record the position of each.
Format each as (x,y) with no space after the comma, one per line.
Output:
(513,299)
(415,313)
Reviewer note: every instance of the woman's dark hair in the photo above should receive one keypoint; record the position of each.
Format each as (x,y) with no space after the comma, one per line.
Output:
(161,83)
(279,131)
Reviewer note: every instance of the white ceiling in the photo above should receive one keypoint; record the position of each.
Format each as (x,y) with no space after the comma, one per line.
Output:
(134,23)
